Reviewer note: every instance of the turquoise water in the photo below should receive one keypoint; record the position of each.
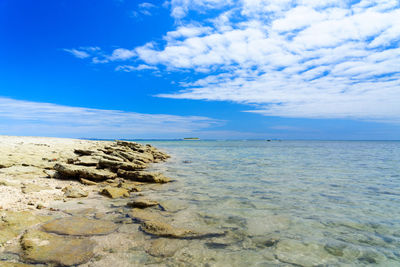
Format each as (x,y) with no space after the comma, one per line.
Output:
(300,203)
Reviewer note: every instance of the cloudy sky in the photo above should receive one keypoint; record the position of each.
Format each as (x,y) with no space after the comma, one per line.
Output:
(282,69)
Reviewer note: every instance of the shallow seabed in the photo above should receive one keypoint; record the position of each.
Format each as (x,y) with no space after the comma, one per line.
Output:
(283,203)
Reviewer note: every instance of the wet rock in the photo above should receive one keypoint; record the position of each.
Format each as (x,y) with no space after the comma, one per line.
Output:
(13,223)
(130,187)
(76,172)
(87,182)
(163,247)
(79,226)
(163,229)
(142,203)
(40,247)
(84,152)
(296,252)
(115,165)
(147,177)
(74,192)
(81,212)
(114,192)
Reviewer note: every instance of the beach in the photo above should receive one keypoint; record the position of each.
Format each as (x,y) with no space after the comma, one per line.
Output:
(71,202)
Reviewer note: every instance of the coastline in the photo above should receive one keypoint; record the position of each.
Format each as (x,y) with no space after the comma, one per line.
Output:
(74,202)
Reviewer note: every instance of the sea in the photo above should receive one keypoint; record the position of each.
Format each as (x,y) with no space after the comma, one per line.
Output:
(284,203)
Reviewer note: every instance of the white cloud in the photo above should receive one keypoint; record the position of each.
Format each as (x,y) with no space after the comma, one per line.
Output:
(313,59)
(77,53)
(128,68)
(35,118)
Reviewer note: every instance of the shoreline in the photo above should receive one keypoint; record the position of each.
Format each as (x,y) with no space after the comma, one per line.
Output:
(59,194)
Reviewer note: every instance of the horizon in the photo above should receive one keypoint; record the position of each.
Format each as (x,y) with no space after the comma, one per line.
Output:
(213,69)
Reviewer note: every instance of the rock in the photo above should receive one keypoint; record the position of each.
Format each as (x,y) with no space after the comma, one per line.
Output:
(298,253)
(87,182)
(130,187)
(163,229)
(13,223)
(83,152)
(87,161)
(142,203)
(79,226)
(115,165)
(50,173)
(76,172)
(15,264)
(81,212)
(74,192)
(114,192)
(114,158)
(40,247)
(29,188)
(163,247)
(148,177)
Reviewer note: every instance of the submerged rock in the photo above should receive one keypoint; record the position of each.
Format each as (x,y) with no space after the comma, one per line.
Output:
(76,172)
(142,203)
(40,247)
(163,247)
(13,223)
(79,226)
(296,252)
(114,192)
(147,177)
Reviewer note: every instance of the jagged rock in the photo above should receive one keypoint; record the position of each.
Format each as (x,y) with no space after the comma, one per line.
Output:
(142,203)
(130,187)
(84,152)
(114,158)
(115,192)
(13,223)
(87,161)
(40,247)
(132,145)
(76,172)
(148,177)
(87,182)
(74,192)
(79,226)
(115,165)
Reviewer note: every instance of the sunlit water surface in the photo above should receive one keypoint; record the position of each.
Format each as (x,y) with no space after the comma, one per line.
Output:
(286,202)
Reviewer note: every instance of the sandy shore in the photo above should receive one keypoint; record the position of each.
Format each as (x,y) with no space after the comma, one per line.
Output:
(68,202)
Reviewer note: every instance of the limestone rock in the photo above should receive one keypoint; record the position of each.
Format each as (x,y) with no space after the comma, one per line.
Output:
(76,172)
(142,203)
(298,253)
(74,192)
(87,182)
(163,247)
(115,165)
(148,177)
(13,223)
(87,161)
(79,226)
(115,192)
(83,152)
(40,247)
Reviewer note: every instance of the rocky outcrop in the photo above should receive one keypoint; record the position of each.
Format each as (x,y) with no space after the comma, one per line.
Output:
(40,247)
(115,165)
(79,226)
(75,172)
(146,177)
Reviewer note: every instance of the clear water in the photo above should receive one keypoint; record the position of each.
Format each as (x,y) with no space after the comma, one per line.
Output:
(300,203)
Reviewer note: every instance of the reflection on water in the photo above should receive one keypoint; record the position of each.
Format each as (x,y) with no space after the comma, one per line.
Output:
(282,203)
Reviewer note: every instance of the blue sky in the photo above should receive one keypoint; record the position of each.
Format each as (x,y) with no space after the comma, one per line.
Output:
(297,69)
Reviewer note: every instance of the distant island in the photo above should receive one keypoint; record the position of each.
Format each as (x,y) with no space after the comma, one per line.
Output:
(191,138)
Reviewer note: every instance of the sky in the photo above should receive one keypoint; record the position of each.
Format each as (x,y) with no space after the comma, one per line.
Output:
(214,69)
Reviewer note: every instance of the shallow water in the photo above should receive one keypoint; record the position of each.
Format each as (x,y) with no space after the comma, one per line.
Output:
(285,203)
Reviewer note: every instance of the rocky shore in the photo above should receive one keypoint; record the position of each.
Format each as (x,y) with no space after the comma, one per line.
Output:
(66,202)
